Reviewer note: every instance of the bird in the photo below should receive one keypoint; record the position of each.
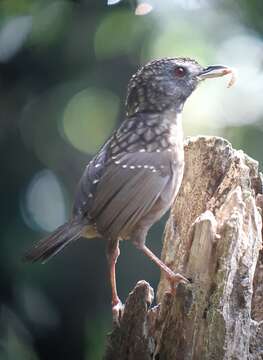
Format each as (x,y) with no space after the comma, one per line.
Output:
(134,178)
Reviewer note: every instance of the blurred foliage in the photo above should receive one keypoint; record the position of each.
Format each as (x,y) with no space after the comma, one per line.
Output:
(64,68)
(96,341)
(123,33)
(100,105)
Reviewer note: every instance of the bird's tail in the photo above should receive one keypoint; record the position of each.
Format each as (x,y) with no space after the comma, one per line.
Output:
(54,243)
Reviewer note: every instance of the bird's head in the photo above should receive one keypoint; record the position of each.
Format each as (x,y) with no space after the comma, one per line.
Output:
(167,83)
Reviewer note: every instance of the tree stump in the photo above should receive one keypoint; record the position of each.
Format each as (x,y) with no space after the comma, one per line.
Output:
(214,237)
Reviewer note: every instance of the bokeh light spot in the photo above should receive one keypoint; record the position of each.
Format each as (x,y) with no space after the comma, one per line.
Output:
(89,118)
(113,2)
(143,8)
(118,34)
(13,36)
(43,205)
(171,41)
(38,307)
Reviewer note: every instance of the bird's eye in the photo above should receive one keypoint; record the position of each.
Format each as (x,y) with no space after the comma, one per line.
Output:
(180,71)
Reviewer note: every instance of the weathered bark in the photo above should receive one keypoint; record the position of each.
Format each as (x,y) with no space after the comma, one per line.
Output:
(213,236)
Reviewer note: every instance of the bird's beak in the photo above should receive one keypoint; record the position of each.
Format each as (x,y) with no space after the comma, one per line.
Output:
(217,71)
(214,71)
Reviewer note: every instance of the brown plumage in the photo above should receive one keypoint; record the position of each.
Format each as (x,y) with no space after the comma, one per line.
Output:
(134,178)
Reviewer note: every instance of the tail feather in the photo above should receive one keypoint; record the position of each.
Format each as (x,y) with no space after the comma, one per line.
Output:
(54,243)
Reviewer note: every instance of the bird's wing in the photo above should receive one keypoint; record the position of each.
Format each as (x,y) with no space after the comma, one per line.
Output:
(88,183)
(124,140)
(128,189)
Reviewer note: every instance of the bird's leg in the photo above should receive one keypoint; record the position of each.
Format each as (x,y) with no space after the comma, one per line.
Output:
(173,278)
(112,254)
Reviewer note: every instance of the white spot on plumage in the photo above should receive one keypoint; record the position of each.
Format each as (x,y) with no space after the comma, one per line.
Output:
(90,195)
(158,150)
(95,181)
(97,165)
(145,166)
(117,162)
(124,166)
(132,167)
(142,150)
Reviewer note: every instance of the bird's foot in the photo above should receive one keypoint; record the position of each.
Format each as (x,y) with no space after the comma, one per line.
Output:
(175,279)
(117,311)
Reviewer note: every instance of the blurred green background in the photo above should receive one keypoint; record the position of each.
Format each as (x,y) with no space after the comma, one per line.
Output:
(64,68)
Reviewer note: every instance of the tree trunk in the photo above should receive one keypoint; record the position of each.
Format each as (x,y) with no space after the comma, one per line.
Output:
(213,237)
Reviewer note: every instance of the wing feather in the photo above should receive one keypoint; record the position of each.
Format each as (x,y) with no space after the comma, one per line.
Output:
(126,192)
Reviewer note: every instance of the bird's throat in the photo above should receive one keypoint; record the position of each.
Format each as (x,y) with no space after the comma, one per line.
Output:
(176,136)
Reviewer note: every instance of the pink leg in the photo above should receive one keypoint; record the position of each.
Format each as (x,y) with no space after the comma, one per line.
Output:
(174,278)
(117,306)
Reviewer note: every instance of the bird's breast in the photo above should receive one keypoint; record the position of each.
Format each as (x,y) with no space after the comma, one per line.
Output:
(176,140)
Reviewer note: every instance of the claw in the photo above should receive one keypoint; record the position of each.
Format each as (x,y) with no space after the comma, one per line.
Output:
(175,279)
